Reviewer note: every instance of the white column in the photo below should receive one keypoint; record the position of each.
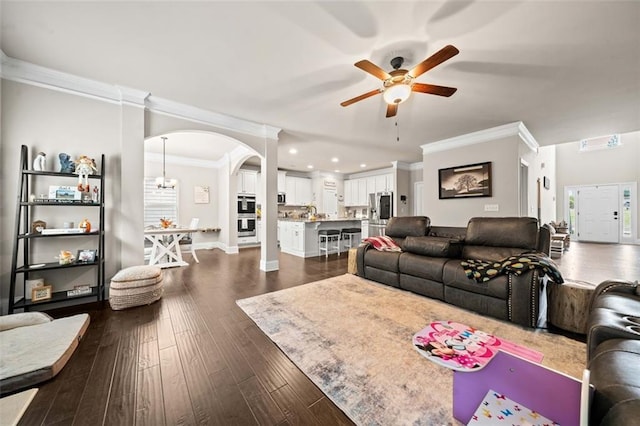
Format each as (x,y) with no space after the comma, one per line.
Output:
(129,220)
(269,248)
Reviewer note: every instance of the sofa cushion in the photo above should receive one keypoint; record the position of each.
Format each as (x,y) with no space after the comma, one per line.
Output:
(623,303)
(387,261)
(422,266)
(407,226)
(494,238)
(433,246)
(615,374)
(453,275)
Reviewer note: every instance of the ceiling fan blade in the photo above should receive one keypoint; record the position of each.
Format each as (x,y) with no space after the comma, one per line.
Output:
(361,97)
(392,110)
(433,89)
(372,69)
(437,58)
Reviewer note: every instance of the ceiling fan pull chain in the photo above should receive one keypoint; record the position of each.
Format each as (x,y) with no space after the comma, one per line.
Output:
(397,131)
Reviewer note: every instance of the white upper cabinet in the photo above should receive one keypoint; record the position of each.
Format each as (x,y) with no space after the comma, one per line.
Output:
(384,183)
(247,181)
(282,181)
(299,191)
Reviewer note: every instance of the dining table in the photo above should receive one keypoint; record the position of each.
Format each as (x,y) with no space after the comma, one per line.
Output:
(165,249)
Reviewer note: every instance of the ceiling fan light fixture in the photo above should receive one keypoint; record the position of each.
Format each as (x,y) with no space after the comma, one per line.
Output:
(397,93)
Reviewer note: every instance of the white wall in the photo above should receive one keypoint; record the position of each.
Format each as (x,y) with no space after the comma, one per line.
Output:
(55,122)
(188,177)
(617,165)
(504,158)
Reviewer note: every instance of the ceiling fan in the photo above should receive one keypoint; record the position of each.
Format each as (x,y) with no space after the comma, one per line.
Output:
(399,83)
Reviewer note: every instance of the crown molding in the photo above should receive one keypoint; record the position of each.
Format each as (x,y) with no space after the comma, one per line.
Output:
(133,97)
(154,157)
(401,165)
(416,166)
(36,75)
(222,121)
(512,129)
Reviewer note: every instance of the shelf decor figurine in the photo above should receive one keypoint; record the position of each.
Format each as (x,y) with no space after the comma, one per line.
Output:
(66,257)
(85,166)
(85,225)
(40,162)
(66,165)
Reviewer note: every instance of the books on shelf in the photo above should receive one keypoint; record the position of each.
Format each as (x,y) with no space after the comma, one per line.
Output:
(79,290)
(53,231)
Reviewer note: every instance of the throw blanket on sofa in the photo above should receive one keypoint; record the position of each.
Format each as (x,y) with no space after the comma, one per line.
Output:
(482,270)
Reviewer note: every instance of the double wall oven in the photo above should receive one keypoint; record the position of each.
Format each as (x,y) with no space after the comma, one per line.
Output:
(246,216)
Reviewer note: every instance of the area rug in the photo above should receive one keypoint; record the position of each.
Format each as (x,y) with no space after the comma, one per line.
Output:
(353,339)
(12,407)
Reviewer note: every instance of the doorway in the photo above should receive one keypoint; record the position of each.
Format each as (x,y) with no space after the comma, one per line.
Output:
(602,213)
(418,208)
(524,190)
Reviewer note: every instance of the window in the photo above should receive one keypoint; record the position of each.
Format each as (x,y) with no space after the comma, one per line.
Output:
(159,203)
(604,142)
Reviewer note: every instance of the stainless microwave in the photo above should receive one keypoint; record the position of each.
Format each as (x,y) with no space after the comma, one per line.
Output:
(282,198)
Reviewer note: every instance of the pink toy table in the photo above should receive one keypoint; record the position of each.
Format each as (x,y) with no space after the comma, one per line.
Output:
(463,348)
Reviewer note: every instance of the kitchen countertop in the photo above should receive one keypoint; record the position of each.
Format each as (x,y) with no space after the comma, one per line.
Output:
(305,220)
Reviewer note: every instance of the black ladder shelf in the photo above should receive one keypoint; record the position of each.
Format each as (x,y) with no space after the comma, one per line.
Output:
(26,239)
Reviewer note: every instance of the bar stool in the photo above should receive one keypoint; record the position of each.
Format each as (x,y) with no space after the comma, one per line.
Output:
(350,235)
(328,240)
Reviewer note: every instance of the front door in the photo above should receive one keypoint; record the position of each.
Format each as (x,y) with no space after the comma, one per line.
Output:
(598,216)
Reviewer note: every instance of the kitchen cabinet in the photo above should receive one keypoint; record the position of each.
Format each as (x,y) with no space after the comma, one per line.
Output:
(282,181)
(299,191)
(259,230)
(356,193)
(259,195)
(384,183)
(247,181)
(363,194)
(348,195)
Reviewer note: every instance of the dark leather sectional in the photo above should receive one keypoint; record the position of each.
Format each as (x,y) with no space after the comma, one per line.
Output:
(613,352)
(430,263)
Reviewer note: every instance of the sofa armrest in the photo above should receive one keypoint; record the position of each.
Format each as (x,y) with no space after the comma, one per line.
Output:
(362,249)
(613,286)
(524,302)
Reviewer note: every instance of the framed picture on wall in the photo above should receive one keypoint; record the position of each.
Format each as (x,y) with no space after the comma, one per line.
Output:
(471,180)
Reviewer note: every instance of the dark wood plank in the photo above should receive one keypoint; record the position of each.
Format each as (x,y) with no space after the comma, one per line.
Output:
(328,414)
(121,407)
(294,409)
(149,397)
(205,405)
(235,410)
(177,403)
(260,401)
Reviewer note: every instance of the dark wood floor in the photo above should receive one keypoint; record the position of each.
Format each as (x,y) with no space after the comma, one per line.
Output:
(196,358)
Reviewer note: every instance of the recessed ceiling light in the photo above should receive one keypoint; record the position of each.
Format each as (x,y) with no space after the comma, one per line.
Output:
(363,165)
(293,151)
(336,171)
(335,160)
(310,166)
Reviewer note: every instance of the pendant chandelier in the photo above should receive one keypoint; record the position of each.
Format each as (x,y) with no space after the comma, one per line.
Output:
(162,182)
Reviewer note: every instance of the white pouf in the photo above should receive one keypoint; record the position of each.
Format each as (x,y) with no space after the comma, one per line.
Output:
(135,286)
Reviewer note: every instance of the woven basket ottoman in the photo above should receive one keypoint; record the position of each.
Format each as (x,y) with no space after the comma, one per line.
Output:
(135,286)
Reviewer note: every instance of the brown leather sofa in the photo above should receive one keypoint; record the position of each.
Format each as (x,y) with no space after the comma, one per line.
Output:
(613,353)
(429,263)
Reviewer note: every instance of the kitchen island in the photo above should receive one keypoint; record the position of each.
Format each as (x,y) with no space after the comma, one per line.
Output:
(299,237)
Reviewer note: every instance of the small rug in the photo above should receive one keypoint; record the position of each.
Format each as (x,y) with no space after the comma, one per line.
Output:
(12,407)
(353,339)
